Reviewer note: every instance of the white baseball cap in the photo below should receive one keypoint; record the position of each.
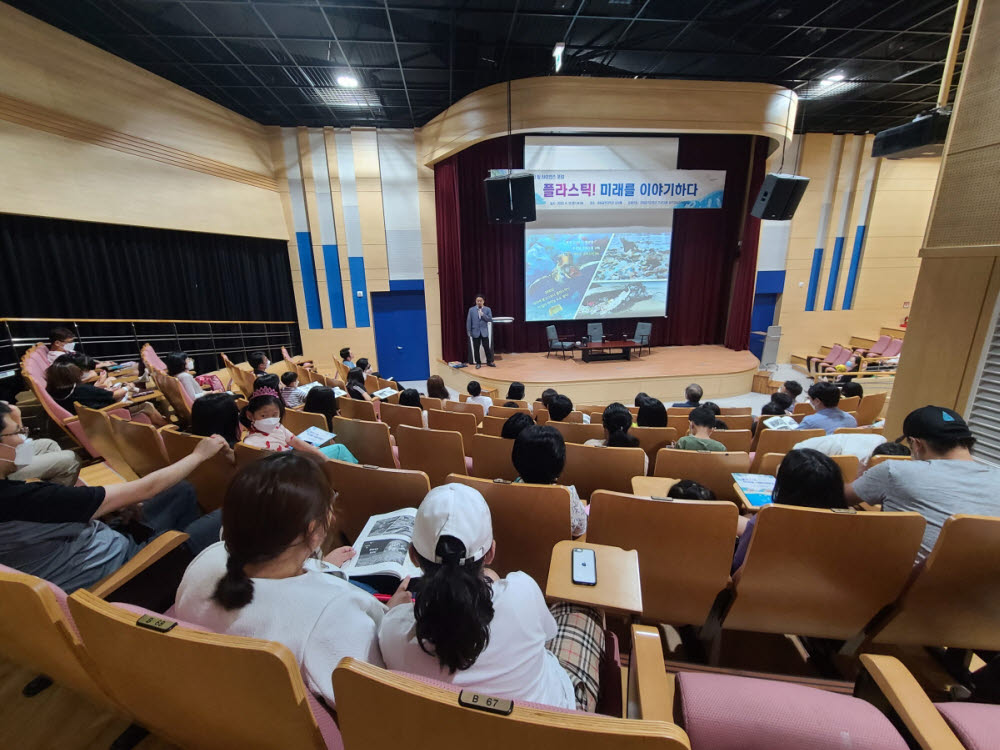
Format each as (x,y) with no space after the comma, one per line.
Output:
(453,510)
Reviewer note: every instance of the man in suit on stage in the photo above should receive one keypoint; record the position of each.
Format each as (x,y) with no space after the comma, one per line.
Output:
(477,325)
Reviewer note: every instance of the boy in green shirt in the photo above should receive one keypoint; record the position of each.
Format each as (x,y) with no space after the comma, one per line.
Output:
(699,437)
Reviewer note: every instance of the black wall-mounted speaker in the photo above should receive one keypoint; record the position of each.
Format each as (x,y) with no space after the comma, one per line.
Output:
(510,200)
(779,196)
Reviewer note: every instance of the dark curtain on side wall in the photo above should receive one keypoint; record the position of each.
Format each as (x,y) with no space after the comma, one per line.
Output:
(711,280)
(56,268)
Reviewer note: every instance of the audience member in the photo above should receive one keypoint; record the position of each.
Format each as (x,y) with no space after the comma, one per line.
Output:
(806,478)
(547,395)
(617,420)
(36,459)
(262,417)
(347,358)
(895,448)
(825,397)
(701,425)
(470,628)
(515,391)
(792,388)
(652,413)
(693,394)
(411,397)
(216,414)
(944,479)
(784,401)
(63,341)
(512,405)
(515,424)
(88,366)
(852,388)
(476,396)
(290,393)
(54,532)
(356,385)
(436,388)
(640,398)
(267,380)
(259,363)
(688,489)
(64,382)
(716,409)
(262,581)
(539,455)
(720,425)
(560,407)
(322,400)
(844,444)
(179,365)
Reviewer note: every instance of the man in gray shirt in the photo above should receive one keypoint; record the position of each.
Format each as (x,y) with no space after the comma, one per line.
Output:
(942,479)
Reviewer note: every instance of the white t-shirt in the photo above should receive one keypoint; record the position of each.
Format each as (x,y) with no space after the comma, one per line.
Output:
(515,664)
(321,618)
(483,401)
(844,444)
(189,384)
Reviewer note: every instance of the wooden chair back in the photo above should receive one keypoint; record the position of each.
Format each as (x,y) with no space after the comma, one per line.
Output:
(248,453)
(316,376)
(492,425)
(848,465)
(395,415)
(954,600)
(801,574)
(591,409)
(714,470)
(679,411)
(803,407)
(341,369)
(298,422)
(36,632)
(140,445)
(438,453)
(876,460)
(211,478)
(685,550)
(463,423)
(432,403)
(491,457)
(651,439)
(467,407)
(849,403)
(652,486)
(859,431)
(371,383)
(505,412)
(737,421)
(871,407)
(97,425)
(528,520)
(501,401)
(679,424)
(435,716)
(367,441)
(541,414)
(574,417)
(779,441)
(734,440)
(591,468)
(176,396)
(198,690)
(579,433)
(364,491)
(353,408)
(734,411)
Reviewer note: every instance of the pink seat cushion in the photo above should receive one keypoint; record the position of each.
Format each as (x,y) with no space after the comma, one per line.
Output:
(468,465)
(723,712)
(976,724)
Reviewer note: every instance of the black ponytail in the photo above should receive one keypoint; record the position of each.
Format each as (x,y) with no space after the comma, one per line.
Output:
(454,609)
(235,589)
(617,419)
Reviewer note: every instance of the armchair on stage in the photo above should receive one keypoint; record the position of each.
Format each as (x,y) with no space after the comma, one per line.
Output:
(556,344)
(641,337)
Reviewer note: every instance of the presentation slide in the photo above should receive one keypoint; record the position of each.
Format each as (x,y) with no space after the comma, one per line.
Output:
(590,274)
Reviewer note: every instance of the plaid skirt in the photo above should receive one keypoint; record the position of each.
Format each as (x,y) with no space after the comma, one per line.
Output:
(579,647)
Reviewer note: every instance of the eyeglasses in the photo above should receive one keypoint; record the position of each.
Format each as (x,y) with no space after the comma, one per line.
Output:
(22,431)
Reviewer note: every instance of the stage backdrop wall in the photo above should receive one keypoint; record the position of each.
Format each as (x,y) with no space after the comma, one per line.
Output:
(712,269)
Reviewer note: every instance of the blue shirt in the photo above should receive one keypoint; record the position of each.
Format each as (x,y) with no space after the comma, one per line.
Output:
(828,420)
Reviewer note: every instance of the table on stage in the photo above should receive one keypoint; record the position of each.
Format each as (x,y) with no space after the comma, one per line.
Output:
(593,351)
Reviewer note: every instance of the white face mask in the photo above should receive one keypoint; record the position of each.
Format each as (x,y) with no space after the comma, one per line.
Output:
(267,426)
(71,346)
(23,454)
(267,363)
(189,364)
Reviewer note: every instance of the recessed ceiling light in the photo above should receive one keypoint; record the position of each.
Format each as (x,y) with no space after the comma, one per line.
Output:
(832,79)
(347,81)
(557,53)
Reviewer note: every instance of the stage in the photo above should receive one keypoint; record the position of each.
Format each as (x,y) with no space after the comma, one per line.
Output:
(662,373)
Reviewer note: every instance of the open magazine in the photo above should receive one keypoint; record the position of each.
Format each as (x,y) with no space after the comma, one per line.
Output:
(382,549)
(781,423)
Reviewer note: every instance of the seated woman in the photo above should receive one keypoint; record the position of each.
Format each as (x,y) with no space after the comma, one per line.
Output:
(64,382)
(179,365)
(515,392)
(652,413)
(262,417)
(539,455)
(217,414)
(411,397)
(688,489)
(806,478)
(436,388)
(616,420)
(261,582)
(470,628)
(356,385)
(321,400)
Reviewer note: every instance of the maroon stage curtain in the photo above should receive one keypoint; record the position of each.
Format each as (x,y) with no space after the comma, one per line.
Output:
(476,256)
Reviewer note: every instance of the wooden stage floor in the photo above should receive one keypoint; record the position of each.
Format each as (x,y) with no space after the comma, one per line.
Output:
(662,373)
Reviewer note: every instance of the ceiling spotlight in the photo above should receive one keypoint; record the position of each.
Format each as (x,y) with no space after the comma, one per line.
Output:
(557,53)
(832,79)
(346,81)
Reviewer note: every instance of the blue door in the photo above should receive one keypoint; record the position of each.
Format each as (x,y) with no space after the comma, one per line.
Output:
(401,334)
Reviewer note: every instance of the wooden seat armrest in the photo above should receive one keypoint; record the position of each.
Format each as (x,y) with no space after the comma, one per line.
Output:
(71,420)
(868,507)
(885,679)
(151,577)
(650,688)
(168,428)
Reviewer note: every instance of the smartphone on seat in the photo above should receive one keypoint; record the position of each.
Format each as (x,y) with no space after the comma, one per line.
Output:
(584,567)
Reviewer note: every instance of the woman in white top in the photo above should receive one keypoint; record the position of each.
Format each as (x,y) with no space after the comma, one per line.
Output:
(472,629)
(616,420)
(261,583)
(180,366)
